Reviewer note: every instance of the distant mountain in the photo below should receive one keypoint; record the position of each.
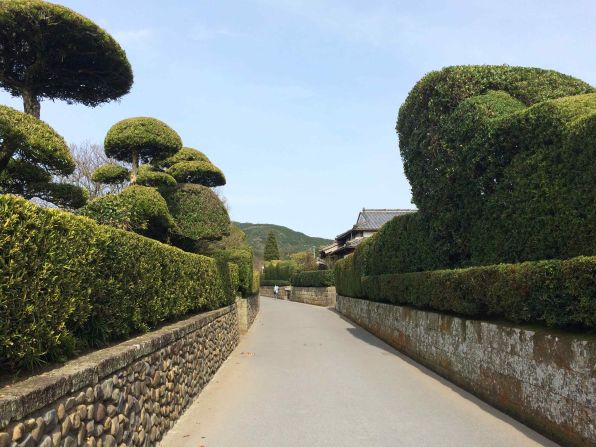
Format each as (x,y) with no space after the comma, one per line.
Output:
(288,241)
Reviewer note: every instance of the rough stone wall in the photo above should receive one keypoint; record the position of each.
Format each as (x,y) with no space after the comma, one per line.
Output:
(248,308)
(127,395)
(318,296)
(268,292)
(544,378)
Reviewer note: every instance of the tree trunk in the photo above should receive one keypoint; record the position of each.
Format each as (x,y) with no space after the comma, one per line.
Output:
(31,104)
(135,167)
(5,156)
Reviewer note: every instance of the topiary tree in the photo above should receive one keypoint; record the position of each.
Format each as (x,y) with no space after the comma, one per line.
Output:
(150,176)
(445,128)
(271,251)
(111,174)
(184,154)
(31,152)
(137,208)
(197,172)
(50,51)
(141,139)
(199,215)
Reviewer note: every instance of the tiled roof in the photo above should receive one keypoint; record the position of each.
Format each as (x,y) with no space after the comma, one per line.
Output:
(374,219)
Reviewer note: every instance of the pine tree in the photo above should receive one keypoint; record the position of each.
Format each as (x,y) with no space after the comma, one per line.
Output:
(271,250)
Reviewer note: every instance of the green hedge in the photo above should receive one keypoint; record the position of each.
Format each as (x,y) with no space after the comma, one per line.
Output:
(315,278)
(274,282)
(243,260)
(543,206)
(555,293)
(67,281)
(256,282)
(463,138)
(279,270)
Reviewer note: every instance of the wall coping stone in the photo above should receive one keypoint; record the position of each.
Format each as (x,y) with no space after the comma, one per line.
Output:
(34,393)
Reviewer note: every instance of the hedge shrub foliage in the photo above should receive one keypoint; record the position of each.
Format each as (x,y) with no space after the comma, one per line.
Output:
(256,282)
(242,259)
(315,278)
(501,164)
(198,212)
(66,280)
(465,134)
(274,282)
(138,208)
(555,293)
(279,270)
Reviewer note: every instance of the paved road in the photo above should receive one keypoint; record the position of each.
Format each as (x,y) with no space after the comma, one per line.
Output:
(303,376)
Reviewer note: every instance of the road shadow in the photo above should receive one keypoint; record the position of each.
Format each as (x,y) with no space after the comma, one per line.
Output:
(366,337)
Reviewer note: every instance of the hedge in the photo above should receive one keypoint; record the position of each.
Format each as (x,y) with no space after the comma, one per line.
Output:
(243,260)
(67,281)
(274,282)
(554,293)
(543,205)
(256,282)
(279,270)
(459,131)
(315,278)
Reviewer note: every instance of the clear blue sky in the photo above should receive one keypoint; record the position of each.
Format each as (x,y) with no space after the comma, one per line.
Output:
(296,100)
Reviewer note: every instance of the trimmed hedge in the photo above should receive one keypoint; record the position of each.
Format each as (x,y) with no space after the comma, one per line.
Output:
(199,214)
(555,293)
(315,278)
(256,281)
(274,282)
(66,280)
(279,270)
(543,205)
(459,131)
(242,259)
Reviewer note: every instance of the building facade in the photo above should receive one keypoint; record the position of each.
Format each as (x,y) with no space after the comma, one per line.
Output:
(369,222)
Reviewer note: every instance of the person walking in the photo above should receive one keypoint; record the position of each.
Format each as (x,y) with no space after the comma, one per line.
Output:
(276,291)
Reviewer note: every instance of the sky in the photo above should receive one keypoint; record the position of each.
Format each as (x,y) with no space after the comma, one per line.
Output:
(296,100)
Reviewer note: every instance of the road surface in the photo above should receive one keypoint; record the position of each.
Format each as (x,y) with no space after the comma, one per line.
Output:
(304,376)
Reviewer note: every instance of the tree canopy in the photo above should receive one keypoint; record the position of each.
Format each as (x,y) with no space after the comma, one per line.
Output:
(50,51)
(199,215)
(31,152)
(141,139)
(198,172)
(110,173)
(184,154)
(271,251)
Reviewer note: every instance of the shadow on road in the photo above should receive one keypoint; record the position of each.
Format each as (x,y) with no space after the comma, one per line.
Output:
(366,337)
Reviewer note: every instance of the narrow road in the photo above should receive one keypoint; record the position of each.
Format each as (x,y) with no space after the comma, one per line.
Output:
(304,376)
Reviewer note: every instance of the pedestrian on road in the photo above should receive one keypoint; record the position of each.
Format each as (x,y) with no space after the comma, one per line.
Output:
(275,290)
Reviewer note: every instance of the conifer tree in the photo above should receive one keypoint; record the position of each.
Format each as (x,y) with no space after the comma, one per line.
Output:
(271,249)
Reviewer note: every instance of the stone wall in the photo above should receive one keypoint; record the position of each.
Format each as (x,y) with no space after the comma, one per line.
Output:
(129,394)
(248,308)
(545,379)
(318,296)
(268,292)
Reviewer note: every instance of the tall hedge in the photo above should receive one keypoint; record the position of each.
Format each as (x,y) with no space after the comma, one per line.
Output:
(543,205)
(314,278)
(445,129)
(243,260)
(554,293)
(279,270)
(66,280)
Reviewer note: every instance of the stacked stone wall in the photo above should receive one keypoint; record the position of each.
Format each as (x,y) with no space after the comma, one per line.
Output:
(544,378)
(318,296)
(128,395)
